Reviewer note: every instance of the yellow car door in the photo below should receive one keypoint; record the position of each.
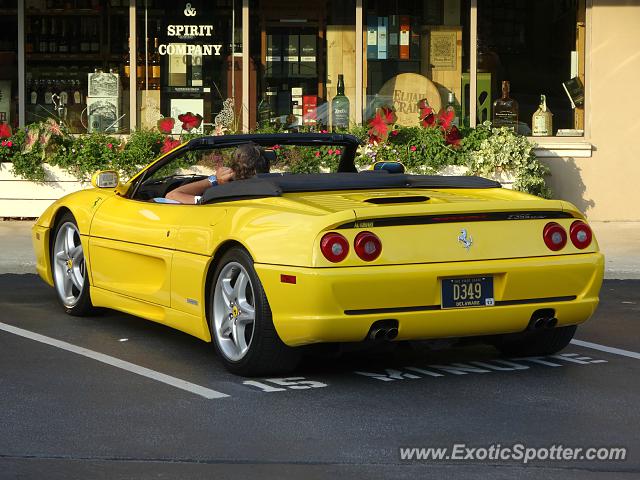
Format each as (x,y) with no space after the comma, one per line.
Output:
(131,247)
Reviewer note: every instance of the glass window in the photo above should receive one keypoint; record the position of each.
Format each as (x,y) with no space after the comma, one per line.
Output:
(415,50)
(75,59)
(304,55)
(9,62)
(531,65)
(189,60)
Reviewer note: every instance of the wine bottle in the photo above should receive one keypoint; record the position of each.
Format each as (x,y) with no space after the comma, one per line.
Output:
(43,41)
(48,93)
(126,59)
(155,65)
(542,120)
(53,38)
(33,92)
(340,107)
(95,38)
(505,110)
(63,43)
(452,106)
(85,44)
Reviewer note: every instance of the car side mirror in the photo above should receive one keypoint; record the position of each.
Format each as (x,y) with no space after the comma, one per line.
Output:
(105,179)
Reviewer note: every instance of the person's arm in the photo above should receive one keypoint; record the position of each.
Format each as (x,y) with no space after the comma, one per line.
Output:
(188,193)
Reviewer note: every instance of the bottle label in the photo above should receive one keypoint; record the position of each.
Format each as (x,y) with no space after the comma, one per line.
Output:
(76,97)
(540,127)
(34,97)
(48,98)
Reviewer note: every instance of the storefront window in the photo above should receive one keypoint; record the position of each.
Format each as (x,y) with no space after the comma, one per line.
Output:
(534,50)
(74,52)
(189,61)
(304,55)
(415,51)
(9,62)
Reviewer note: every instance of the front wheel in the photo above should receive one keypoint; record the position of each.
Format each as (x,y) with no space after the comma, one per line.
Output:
(241,323)
(69,268)
(542,342)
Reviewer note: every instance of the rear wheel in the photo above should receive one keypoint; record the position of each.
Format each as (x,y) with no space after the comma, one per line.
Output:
(241,323)
(542,342)
(69,268)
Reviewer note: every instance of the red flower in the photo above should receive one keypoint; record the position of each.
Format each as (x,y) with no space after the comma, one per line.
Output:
(318,153)
(190,121)
(422,104)
(445,118)
(5,130)
(389,115)
(9,144)
(165,125)
(394,133)
(337,151)
(169,144)
(428,120)
(378,128)
(110,146)
(453,137)
(276,147)
(330,151)
(413,148)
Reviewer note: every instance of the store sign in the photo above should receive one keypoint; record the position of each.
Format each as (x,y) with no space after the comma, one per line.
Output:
(189,32)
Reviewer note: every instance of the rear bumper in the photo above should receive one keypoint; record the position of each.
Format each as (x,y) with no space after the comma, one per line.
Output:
(340,304)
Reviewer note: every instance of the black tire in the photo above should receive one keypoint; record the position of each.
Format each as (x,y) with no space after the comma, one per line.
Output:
(542,342)
(78,303)
(266,354)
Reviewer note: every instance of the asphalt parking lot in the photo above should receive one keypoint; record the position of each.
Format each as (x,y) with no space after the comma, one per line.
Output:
(114,396)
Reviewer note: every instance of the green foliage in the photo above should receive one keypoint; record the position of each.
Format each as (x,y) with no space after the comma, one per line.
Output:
(484,150)
(505,151)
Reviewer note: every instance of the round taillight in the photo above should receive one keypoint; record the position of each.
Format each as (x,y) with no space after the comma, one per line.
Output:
(334,247)
(580,234)
(555,237)
(368,246)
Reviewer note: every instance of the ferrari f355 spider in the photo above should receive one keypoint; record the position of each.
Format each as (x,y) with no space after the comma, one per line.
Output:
(264,266)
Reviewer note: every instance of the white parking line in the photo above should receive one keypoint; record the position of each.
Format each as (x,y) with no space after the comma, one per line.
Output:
(116,362)
(604,348)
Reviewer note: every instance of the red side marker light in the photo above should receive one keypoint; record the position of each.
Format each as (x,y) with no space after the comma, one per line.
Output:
(288,279)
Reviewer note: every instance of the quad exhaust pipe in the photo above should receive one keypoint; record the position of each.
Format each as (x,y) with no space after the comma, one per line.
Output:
(383,330)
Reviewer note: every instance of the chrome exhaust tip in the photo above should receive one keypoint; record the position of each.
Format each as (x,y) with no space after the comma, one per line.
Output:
(392,333)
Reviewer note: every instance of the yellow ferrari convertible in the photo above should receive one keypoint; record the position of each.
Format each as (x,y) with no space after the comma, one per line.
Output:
(263,266)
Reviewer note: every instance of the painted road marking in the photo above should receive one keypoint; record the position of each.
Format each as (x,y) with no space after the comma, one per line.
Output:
(604,348)
(116,362)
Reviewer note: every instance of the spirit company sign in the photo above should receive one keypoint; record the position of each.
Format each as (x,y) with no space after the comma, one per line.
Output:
(189,32)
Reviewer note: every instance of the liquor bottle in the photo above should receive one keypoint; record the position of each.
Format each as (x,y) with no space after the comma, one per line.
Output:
(28,41)
(452,106)
(95,38)
(63,43)
(48,93)
(43,41)
(85,44)
(74,41)
(33,92)
(53,37)
(63,93)
(141,69)
(155,65)
(505,110)
(542,120)
(126,59)
(340,107)
(77,93)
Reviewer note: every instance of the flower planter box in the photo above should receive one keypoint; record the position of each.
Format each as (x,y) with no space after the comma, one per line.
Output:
(22,198)
(26,199)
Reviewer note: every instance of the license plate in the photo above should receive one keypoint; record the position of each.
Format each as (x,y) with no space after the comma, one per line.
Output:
(467,292)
